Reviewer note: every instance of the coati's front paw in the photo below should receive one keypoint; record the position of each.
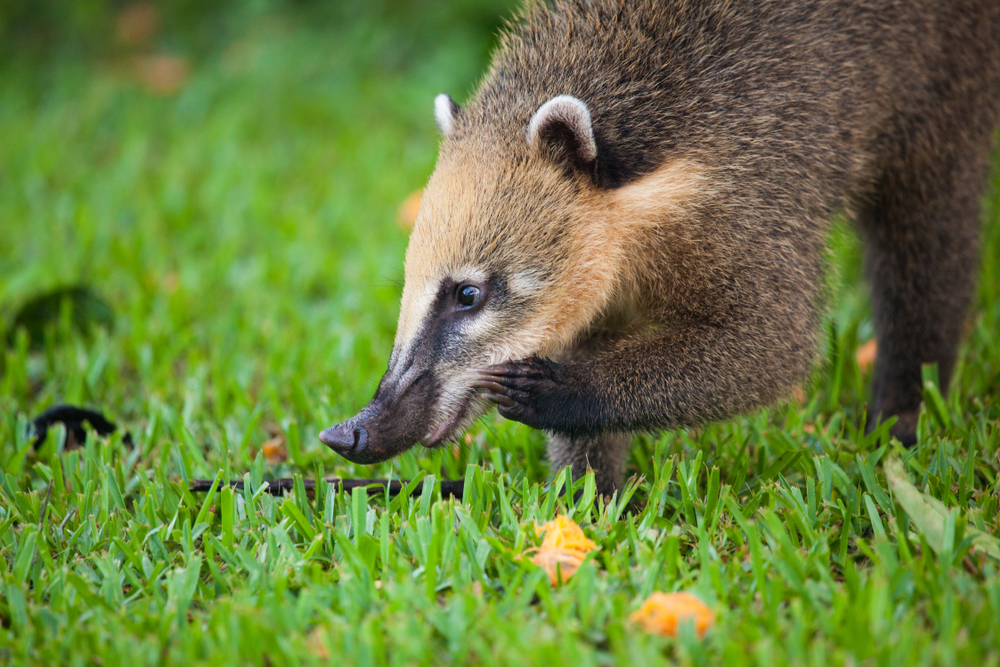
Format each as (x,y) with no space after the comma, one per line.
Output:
(528,391)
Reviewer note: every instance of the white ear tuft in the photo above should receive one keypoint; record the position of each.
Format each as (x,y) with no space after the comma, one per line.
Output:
(444,113)
(564,119)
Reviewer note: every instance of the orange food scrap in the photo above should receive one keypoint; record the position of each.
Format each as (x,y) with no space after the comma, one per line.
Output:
(661,613)
(274,450)
(136,23)
(563,548)
(865,355)
(562,533)
(407,216)
(559,565)
(163,75)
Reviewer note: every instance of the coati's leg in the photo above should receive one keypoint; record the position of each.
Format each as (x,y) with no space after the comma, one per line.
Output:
(603,453)
(921,229)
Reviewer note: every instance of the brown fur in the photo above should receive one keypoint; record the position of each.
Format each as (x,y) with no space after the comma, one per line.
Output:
(674,278)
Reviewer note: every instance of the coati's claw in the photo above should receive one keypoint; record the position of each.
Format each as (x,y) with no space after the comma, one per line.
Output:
(502,378)
(497,385)
(501,399)
(483,381)
(521,389)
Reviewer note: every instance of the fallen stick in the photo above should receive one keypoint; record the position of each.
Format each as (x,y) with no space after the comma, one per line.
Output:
(449,488)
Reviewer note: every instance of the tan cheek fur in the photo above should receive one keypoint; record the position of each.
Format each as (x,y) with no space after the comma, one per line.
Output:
(423,273)
(609,228)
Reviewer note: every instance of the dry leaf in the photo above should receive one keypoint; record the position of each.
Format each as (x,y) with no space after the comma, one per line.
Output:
(928,514)
(407,215)
(136,23)
(163,75)
(662,613)
(799,395)
(563,548)
(316,643)
(274,450)
(865,356)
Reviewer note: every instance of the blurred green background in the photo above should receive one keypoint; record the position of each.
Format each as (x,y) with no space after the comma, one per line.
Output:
(199,235)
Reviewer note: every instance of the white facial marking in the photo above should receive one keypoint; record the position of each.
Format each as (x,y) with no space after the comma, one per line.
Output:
(525,283)
(574,114)
(470,274)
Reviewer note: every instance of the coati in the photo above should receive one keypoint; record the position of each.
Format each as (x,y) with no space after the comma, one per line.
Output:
(625,227)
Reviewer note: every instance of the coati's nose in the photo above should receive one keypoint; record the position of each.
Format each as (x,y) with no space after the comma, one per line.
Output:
(343,439)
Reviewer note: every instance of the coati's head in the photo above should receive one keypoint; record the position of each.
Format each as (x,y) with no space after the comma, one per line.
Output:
(515,252)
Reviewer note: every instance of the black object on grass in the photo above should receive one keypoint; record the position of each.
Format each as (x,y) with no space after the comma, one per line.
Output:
(73,418)
(449,488)
(87,310)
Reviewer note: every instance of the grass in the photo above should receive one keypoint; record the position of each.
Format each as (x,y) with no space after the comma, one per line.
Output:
(243,233)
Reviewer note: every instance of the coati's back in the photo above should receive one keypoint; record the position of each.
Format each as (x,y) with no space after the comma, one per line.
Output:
(738,79)
(824,90)
(626,220)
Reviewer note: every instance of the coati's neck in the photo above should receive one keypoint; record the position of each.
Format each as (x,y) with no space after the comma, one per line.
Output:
(609,231)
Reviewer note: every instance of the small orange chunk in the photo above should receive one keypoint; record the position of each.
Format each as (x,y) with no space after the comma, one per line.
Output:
(662,613)
(136,23)
(563,548)
(562,533)
(274,450)
(162,74)
(865,356)
(559,565)
(407,216)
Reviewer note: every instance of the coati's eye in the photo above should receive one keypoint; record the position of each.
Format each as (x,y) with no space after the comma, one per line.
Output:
(467,296)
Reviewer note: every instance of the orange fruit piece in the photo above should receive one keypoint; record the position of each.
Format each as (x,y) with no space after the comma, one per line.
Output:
(274,450)
(865,356)
(563,548)
(161,74)
(137,23)
(662,613)
(559,565)
(407,215)
(564,534)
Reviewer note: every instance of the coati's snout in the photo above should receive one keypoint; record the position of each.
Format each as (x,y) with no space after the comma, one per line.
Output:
(395,420)
(423,396)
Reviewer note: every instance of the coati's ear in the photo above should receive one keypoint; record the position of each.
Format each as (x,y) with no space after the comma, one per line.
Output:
(445,110)
(561,130)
